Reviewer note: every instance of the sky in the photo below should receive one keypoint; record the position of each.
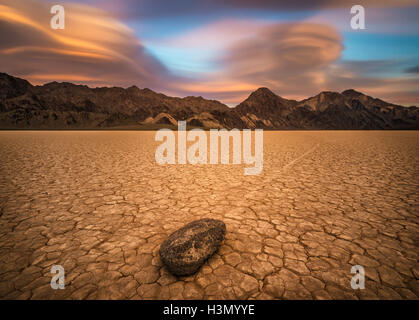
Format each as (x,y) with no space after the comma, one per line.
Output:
(217,49)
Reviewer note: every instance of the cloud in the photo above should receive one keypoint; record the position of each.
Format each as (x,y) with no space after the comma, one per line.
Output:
(162,8)
(215,35)
(289,58)
(94,48)
(414,69)
(234,56)
(295,60)
(284,50)
(311,4)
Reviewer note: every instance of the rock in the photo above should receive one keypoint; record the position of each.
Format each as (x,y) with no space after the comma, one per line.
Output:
(189,247)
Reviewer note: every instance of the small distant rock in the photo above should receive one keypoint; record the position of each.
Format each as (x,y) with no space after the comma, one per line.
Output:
(186,250)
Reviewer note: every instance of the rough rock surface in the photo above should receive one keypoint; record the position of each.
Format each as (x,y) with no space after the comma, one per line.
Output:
(69,106)
(186,250)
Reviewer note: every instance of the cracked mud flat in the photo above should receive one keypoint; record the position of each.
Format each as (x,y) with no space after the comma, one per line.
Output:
(98,204)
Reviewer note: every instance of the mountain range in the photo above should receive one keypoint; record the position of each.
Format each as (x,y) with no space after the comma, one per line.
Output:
(68,106)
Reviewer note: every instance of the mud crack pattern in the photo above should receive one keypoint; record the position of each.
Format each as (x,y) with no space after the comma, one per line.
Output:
(98,204)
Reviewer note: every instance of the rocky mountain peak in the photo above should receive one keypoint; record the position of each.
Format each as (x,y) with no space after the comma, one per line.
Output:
(352,93)
(262,92)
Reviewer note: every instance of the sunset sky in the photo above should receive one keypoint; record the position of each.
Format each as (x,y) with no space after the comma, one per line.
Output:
(218,49)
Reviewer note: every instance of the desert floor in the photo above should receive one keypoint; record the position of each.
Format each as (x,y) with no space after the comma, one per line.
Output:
(98,204)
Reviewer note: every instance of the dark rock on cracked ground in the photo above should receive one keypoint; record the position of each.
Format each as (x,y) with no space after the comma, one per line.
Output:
(188,248)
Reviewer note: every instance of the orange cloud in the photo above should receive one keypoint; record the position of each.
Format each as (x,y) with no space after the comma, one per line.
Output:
(279,56)
(93,47)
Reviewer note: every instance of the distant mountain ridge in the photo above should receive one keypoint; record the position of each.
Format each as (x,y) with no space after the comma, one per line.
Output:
(69,106)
